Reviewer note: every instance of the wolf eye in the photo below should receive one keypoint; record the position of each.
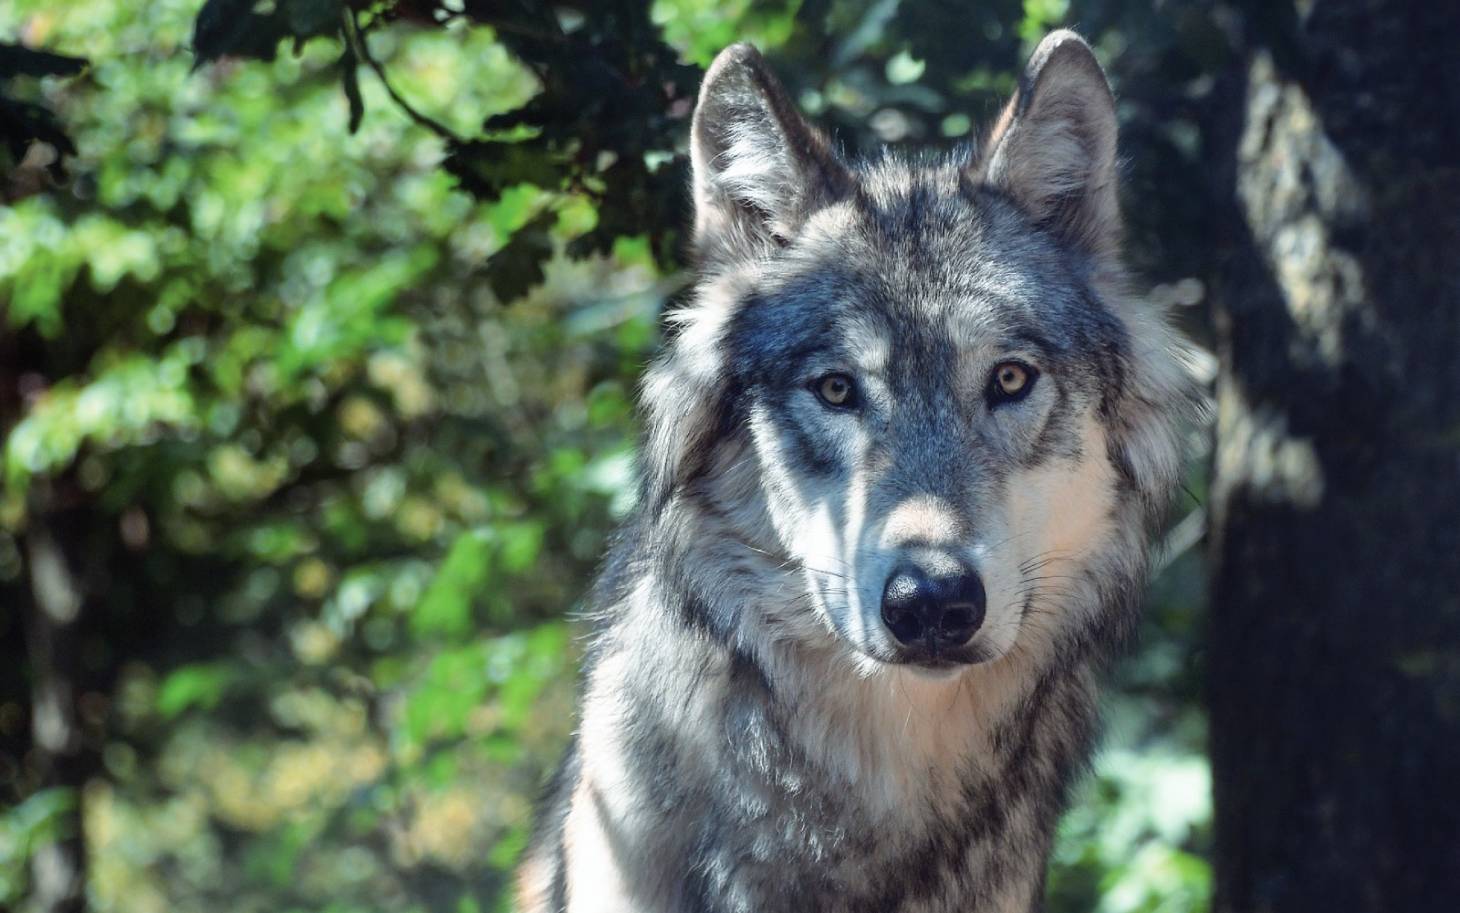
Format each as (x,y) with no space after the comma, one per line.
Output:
(836,390)
(1011,381)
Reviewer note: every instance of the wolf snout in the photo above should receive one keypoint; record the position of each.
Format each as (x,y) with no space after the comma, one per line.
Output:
(929,612)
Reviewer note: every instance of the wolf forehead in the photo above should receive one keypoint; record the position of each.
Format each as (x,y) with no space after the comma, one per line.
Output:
(924,265)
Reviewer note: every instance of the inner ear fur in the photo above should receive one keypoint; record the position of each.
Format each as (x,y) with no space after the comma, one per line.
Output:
(1052,150)
(759,167)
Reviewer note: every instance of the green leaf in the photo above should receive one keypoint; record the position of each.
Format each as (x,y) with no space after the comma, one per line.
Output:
(518,266)
(274,857)
(486,168)
(43,817)
(521,543)
(308,18)
(446,606)
(234,28)
(454,685)
(18,60)
(200,685)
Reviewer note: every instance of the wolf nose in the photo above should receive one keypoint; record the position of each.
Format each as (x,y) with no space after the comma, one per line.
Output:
(937,612)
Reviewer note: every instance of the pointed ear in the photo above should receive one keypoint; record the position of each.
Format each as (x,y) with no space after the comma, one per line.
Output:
(759,168)
(1053,147)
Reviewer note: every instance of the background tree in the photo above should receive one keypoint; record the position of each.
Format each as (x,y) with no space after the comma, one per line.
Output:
(1335,639)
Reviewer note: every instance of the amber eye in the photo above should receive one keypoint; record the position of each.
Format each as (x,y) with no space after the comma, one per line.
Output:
(1010,381)
(836,390)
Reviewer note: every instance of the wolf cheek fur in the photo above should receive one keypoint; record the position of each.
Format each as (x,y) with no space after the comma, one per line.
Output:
(905,452)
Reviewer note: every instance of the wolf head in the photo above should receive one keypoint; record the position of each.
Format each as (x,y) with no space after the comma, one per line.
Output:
(919,386)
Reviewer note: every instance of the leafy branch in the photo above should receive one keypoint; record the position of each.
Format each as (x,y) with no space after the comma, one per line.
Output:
(613,104)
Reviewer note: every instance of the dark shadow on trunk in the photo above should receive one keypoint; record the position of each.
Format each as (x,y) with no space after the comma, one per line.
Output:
(1334,663)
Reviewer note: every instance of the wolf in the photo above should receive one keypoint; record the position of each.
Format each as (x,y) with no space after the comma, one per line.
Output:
(906,449)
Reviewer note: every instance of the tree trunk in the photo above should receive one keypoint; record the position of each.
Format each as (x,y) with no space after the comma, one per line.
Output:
(58,868)
(1334,665)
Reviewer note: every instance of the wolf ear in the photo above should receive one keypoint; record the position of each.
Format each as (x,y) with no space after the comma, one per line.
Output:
(1053,148)
(759,168)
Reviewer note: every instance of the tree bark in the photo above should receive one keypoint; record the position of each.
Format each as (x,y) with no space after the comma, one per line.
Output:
(1334,663)
(53,642)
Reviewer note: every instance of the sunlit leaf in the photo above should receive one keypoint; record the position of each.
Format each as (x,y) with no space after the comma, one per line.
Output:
(446,606)
(199,686)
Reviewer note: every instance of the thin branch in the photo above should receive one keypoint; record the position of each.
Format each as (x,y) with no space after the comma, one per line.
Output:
(356,39)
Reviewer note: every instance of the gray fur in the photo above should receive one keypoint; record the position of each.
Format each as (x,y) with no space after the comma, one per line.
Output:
(750,738)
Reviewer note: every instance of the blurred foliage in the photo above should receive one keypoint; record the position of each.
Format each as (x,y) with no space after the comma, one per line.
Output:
(329,339)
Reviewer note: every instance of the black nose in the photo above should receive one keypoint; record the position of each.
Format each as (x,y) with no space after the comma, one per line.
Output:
(933,611)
